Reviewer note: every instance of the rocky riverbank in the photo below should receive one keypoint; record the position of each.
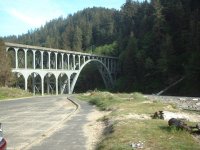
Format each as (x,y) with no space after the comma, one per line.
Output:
(189,103)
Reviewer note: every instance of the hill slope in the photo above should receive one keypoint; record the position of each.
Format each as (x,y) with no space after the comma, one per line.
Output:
(157,41)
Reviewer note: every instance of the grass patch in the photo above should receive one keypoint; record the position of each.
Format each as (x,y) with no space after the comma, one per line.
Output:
(156,134)
(7,93)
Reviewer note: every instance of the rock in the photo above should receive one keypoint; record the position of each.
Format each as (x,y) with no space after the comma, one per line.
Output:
(137,145)
(195,99)
(198,104)
(87,94)
(182,99)
(178,124)
(168,115)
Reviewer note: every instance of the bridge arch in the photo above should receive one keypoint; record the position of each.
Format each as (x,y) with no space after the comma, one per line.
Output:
(105,73)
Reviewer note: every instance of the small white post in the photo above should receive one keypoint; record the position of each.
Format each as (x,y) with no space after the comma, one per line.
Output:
(56,56)
(74,62)
(62,55)
(68,61)
(79,61)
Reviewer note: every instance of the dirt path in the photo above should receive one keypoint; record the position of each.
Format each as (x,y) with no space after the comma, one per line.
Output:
(93,130)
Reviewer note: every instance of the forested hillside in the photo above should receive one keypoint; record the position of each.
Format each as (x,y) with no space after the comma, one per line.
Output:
(157,42)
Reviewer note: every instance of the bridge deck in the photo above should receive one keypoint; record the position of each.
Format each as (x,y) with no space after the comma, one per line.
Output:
(54,50)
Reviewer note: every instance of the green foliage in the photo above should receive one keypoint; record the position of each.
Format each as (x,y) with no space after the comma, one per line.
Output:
(8,93)
(5,66)
(107,49)
(157,41)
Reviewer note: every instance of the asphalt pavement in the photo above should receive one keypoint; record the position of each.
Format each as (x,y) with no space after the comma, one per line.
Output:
(31,119)
(71,136)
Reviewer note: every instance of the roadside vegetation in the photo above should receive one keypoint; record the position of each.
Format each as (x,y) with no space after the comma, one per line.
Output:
(8,93)
(129,121)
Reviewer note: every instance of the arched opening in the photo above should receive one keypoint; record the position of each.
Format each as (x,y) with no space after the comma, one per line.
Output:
(21,58)
(63,83)
(11,54)
(65,61)
(50,83)
(53,61)
(76,62)
(34,83)
(29,59)
(45,60)
(89,78)
(19,80)
(37,59)
(59,61)
(71,66)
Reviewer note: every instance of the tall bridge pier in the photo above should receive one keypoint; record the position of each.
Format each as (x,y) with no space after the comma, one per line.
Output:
(46,70)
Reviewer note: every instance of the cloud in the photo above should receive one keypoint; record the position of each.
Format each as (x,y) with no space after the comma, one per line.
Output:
(33,21)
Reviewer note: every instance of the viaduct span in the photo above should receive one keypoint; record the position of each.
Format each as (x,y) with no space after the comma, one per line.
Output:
(46,70)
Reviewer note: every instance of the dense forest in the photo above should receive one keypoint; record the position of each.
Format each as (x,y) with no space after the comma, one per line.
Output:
(157,42)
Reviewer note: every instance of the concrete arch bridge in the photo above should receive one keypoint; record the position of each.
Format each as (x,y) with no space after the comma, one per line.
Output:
(47,70)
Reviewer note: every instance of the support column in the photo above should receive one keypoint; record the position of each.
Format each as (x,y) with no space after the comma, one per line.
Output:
(42,65)
(108,64)
(26,83)
(42,85)
(56,55)
(62,55)
(60,84)
(48,84)
(49,60)
(16,58)
(79,61)
(33,77)
(25,54)
(83,59)
(111,66)
(69,89)
(74,62)
(56,85)
(104,61)
(68,61)
(34,59)
(101,59)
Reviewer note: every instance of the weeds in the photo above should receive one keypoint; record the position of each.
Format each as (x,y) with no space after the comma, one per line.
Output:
(156,134)
(6,93)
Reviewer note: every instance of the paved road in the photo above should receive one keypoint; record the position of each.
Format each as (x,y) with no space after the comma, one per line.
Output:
(71,136)
(26,121)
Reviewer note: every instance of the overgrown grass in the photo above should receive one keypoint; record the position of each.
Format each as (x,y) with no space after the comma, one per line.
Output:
(7,93)
(156,134)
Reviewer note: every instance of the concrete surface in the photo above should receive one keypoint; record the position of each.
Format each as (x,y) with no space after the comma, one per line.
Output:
(27,121)
(71,135)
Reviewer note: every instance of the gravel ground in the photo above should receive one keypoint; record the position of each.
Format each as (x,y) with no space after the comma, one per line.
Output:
(190,103)
(94,129)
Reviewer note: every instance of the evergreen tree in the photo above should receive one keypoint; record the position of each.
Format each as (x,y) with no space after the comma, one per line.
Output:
(5,66)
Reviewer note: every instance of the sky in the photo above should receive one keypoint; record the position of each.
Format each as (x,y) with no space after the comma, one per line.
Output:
(19,16)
